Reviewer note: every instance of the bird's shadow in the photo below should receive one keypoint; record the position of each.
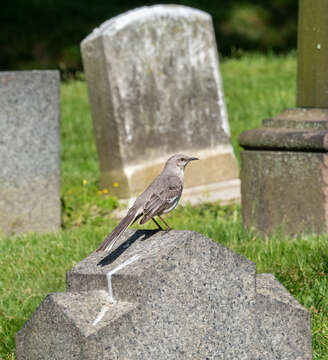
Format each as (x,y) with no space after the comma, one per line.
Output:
(139,234)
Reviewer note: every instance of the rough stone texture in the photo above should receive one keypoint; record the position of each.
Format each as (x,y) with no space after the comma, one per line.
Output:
(285,191)
(285,139)
(299,118)
(281,316)
(155,89)
(284,174)
(29,151)
(175,295)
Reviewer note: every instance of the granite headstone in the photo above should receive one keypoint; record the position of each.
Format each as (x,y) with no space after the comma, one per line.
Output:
(29,151)
(167,295)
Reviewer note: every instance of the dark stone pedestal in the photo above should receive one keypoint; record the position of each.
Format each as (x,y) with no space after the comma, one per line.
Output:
(284,175)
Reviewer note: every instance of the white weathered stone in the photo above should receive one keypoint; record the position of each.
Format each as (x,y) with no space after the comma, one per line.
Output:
(155,89)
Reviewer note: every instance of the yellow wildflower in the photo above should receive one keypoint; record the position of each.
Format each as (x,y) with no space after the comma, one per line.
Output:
(84,181)
(105,191)
(115,184)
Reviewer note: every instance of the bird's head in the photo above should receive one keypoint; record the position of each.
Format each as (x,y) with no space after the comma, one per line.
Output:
(180,160)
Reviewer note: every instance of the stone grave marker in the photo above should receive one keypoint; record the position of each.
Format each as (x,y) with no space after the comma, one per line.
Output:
(167,295)
(155,89)
(284,169)
(29,151)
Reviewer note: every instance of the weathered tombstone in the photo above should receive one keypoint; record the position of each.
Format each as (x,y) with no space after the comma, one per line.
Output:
(176,295)
(29,151)
(284,171)
(155,89)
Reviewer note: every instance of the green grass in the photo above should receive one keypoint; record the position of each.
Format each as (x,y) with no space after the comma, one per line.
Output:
(31,266)
(257,87)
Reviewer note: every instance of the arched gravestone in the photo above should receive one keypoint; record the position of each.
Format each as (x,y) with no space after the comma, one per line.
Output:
(167,295)
(155,90)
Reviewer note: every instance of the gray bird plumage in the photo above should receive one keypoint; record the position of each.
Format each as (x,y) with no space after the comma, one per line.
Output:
(161,197)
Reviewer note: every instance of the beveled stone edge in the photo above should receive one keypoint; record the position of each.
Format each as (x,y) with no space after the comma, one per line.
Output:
(125,19)
(284,139)
(299,118)
(272,284)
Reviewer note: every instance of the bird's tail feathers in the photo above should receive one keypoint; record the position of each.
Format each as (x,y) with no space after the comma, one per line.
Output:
(109,242)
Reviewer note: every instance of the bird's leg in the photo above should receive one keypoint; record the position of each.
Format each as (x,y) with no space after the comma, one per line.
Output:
(159,226)
(166,224)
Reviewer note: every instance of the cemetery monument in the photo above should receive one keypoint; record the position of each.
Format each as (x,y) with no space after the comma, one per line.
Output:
(29,152)
(167,295)
(284,170)
(155,89)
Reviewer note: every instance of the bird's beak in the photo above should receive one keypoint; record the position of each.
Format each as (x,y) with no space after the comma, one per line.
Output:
(193,158)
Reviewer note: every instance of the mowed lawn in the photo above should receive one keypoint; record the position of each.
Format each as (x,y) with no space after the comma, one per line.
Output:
(31,266)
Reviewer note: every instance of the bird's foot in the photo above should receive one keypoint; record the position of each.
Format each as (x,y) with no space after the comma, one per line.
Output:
(158,225)
(166,224)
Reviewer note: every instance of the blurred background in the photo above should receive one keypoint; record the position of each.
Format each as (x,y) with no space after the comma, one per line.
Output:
(46,34)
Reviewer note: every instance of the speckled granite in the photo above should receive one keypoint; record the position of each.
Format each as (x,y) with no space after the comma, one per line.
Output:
(172,295)
(283,319)
(29,151)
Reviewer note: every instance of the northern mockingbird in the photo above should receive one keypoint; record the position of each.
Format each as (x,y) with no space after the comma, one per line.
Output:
(161,197)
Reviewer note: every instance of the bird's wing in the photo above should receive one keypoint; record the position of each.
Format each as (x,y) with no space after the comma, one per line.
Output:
(168,192)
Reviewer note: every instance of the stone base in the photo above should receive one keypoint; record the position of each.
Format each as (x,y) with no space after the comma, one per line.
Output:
(167,295)
(214,166)
(285,191)
(226,192)
(299,118)
(284,173)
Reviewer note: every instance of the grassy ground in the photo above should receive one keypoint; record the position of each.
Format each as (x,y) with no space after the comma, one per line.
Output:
(31,266)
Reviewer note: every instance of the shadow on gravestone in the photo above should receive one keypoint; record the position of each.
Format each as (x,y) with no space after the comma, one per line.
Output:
(29,151)
(168,295)
(155,89)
